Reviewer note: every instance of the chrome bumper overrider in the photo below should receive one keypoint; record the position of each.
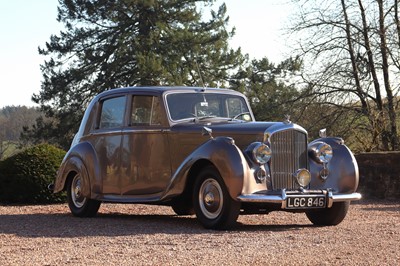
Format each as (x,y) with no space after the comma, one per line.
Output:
(282,197)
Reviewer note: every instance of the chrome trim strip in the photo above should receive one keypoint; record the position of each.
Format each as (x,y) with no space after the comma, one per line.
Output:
(260,198)
(278,127)
(149,129)
(138,130)
(346,197)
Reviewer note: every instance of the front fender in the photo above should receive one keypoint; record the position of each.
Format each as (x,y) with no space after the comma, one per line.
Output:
(343,169)
(80,159)
(224,155)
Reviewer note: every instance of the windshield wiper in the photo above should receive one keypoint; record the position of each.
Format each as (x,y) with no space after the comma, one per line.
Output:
(206,117)
(239,115)
(202,118)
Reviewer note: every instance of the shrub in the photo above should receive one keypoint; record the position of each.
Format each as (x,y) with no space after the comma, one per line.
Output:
(24,177)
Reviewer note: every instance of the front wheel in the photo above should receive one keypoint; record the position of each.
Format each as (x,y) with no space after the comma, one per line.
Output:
(182,205)
(329,216)
(214,207)
(78,204)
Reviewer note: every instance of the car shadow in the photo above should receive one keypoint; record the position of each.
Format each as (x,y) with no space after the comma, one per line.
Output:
(117,224)
(271,227)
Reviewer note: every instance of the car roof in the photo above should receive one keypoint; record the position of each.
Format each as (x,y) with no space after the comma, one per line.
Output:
(163,89)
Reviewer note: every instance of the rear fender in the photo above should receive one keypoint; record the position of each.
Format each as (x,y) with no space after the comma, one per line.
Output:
(80,159)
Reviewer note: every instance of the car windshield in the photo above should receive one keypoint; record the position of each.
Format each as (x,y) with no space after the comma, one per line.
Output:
(207,105)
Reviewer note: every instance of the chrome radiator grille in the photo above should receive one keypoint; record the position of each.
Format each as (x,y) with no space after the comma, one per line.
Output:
(289,149)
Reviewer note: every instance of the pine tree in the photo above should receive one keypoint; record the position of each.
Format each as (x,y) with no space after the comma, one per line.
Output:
(271,93)
(117,43)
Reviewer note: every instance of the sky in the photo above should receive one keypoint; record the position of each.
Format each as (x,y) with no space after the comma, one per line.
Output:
(26,25)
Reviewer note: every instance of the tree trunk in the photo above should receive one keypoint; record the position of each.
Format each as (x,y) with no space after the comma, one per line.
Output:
(356,76)
(371,63)
(397,21)
(392,135)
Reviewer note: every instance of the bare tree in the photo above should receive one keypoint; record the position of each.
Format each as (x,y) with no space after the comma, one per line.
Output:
(12,121)
(349,64)
(385,69)
(3,142)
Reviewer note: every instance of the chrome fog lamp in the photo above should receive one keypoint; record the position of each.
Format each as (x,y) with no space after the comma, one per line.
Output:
(303,177)
(322,152)
(262,153)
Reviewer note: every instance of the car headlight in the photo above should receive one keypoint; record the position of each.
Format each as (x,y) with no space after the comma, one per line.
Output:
(262,153)
(321,152)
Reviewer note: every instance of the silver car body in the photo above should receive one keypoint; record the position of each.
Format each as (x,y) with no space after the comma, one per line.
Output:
(156,161)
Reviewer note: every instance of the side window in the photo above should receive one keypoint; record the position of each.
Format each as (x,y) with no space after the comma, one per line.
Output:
(112,112)
(146,110)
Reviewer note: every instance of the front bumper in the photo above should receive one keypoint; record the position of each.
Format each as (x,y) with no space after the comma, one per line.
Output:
(281,198)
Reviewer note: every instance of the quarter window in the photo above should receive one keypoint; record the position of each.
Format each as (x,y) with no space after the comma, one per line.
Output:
(112,112)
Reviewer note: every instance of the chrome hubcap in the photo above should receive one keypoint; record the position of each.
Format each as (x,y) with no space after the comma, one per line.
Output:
(211,198)
(76,192)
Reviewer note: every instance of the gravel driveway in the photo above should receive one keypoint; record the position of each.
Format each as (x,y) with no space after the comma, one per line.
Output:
(153,235)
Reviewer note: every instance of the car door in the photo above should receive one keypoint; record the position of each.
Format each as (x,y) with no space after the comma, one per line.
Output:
(106,140)
(146,166)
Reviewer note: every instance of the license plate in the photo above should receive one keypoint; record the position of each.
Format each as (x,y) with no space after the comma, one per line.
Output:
(305,202)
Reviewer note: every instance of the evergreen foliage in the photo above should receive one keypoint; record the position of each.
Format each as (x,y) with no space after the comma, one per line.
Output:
(24,177)
(119,43)
(268,88)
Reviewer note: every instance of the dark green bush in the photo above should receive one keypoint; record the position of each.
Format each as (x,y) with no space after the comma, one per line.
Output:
(24,177)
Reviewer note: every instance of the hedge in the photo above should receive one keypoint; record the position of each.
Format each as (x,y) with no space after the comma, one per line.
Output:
(24,177)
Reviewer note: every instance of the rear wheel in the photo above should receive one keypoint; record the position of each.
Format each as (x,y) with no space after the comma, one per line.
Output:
(214,207)
(78,204)
(329,216)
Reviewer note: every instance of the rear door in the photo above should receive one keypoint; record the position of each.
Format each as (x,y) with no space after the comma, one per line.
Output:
(146,166)
(106,140)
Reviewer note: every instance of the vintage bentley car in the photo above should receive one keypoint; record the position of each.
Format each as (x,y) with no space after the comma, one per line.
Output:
(200,151)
